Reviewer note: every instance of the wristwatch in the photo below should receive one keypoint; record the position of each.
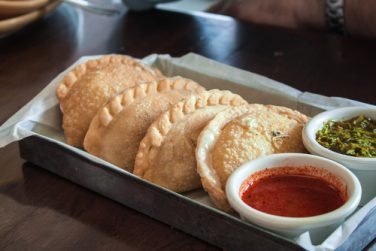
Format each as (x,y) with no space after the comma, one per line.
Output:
(335,16)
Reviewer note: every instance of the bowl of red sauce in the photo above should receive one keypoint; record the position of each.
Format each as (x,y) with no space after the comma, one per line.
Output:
(292,193)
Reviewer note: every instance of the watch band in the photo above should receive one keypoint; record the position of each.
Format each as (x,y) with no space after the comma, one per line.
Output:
(335,17)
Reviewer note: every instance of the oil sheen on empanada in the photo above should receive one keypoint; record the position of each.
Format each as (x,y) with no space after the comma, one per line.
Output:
(240,134)
(167,153)
(116,131)
(90,85)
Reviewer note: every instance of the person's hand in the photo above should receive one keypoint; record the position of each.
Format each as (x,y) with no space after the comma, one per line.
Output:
(286,13)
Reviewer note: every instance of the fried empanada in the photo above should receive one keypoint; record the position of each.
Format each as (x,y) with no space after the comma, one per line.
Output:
(117,129)
(167,153)
(90,85)
(240,134)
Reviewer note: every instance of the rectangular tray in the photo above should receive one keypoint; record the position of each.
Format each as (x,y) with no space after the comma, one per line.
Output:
(190,212)
(209,224)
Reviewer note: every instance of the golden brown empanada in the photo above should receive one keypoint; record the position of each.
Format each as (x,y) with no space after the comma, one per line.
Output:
(167,153)
(117,129)
(240,134)
(88,87)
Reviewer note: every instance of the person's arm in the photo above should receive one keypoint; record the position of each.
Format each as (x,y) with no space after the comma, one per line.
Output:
(360,18)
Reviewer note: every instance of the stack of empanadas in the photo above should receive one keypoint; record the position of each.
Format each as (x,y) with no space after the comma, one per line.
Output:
(117,129)
(166,155)
(170,131)
(89,86)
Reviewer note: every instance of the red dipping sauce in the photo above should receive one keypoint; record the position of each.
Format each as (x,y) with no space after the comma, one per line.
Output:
(292,195)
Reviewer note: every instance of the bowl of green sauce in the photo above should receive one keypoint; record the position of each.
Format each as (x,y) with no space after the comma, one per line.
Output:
(347,135)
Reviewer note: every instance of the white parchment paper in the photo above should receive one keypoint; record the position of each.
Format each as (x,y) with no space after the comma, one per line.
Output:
(42,117)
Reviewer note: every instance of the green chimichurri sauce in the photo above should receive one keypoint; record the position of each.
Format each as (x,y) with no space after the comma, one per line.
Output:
(354,137)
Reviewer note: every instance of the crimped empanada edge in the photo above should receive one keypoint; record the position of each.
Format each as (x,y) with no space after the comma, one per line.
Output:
(154,137)
(78,71)
(205,143)
(208,138)
(118,103)
(289,113)
(121,101)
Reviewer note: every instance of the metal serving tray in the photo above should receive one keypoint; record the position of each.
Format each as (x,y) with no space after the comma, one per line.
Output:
(188,212)
(209,224)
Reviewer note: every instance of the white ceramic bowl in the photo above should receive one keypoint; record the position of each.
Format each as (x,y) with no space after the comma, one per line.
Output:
(293,226)
(363,168)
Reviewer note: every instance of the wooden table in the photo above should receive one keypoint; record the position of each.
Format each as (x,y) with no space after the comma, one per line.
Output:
(41,211)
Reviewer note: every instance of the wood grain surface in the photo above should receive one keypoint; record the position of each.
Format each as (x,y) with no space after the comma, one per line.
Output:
(41,211)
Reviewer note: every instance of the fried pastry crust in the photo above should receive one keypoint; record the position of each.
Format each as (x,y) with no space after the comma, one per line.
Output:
(90,85)
(167,153)
(240,134)
(117,129)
